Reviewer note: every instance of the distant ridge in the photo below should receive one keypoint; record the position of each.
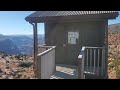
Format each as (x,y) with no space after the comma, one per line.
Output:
(1,34)
(18,44)
(114,27)
(7,46)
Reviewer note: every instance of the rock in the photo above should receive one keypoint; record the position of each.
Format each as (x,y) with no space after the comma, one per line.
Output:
(17,64)
(33,77)
(110,63)
(4,76)
(10,77)
(15,71)
(110,59)
(7,67)
(7,71)
(1,71)
(18,75)
(3,60)
(24,76)
(7,61)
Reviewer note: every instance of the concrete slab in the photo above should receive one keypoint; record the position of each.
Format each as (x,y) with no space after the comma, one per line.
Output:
(65,72)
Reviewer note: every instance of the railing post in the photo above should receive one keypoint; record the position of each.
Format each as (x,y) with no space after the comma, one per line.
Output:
(39,67)
(103,61)
(79,67)
(81,59)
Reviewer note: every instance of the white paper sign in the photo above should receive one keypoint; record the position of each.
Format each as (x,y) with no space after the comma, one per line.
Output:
(72,36)
(73,40)
(76,34)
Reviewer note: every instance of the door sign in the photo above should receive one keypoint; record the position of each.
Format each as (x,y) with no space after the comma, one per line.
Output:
(72,37)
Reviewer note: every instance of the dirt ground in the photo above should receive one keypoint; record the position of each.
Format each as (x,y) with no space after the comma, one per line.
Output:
(113,52)
(15,68)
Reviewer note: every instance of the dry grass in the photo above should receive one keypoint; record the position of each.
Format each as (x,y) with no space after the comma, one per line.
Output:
(114,55)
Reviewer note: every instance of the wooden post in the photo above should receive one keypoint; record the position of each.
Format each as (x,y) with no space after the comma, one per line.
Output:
(81,59)
(35,48)
(79,67)
(106,49)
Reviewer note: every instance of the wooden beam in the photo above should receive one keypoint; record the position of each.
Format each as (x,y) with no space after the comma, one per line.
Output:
(35,48)
(106,52)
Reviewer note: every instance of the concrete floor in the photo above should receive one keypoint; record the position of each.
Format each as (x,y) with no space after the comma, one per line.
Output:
(65,72)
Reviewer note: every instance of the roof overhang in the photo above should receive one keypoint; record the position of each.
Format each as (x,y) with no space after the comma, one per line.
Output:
(37,19)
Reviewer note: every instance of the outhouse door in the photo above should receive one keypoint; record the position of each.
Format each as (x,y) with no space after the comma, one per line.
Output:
(72,46)
(67,45)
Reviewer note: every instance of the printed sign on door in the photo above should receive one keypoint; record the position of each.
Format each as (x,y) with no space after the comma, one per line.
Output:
(72,37)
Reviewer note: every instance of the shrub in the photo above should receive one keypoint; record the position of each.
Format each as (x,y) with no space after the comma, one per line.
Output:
(17,56)
(4,55)
(111,66)
(10,57)
(118,74)
(114,63)
(25,64)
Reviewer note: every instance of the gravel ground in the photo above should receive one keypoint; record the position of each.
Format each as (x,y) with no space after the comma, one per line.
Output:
(16,69)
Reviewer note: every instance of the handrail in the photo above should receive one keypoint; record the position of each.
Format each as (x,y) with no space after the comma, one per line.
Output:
(88,57)
(42,46)
(43,53)
(93,47)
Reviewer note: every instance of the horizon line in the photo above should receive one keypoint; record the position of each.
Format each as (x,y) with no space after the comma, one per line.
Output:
(20,34)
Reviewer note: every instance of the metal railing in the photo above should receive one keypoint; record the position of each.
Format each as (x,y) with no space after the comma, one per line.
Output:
(46,62)
(91,61)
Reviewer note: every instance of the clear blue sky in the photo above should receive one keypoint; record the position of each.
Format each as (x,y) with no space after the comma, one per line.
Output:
(13,22)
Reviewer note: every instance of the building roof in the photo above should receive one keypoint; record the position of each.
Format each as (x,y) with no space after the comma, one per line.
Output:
(46,14)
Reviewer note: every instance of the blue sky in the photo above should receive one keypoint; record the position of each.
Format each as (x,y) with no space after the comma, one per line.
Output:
(13,23)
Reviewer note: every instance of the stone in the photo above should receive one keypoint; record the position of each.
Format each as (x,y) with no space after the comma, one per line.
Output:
(7,71)
(7,67)
(15,71)
(7,61)
(18,75)
(3,60)
(1,71)
(10,77)
(4,76)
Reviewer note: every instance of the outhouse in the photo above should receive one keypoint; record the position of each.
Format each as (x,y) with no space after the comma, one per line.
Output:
(69,31)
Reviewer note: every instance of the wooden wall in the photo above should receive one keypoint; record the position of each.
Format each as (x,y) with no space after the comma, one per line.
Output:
(91,33)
